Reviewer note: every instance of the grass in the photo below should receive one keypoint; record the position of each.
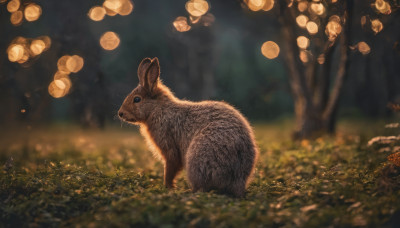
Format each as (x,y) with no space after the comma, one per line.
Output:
(66,176)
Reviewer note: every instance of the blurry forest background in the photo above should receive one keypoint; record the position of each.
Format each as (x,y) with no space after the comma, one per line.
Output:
(291,66)
(216,56)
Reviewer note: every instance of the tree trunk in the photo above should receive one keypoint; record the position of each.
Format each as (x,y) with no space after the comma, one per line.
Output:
(310,123)
(315,102)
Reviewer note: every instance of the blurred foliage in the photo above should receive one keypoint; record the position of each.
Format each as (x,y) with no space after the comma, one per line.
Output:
(228,51)
(74,177)
(239,72)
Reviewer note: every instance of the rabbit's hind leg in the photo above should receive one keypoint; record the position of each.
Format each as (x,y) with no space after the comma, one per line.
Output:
(197,176)
(206,168)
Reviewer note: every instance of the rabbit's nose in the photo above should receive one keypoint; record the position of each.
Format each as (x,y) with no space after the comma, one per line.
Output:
(121,114)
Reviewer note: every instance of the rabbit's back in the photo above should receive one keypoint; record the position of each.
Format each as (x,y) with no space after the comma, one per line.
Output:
(222,153)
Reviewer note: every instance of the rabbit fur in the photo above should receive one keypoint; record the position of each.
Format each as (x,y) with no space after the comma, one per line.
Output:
(211,140)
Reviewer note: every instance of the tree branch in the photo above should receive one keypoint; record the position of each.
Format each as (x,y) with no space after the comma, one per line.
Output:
(297,78)
(322,87)
(343,64)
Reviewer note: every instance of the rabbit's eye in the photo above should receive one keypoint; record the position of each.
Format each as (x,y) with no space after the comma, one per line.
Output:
(137,99)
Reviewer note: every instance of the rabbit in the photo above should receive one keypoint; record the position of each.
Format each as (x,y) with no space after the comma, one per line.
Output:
(211,140)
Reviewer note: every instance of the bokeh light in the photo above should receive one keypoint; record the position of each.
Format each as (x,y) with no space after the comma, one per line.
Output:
(303,42)
(37,47)
(46,40)
(376,25)
(13,6)
(16,17)
(333,27)
(197,8)
(21,49)
(60,84)
(97,13)
(112,7)
(15,52)
(62,64)
(302,6)
(74,63)
(312,27)
(24,58)
(302,20)
(126,8)
(270,49)
(67,83)
(20,40)
(383,7)
(321,59)
(268,5)
(181,24)
(317,8)
(18,51)
(58,75)
(193,20)
(303,55)
(256,5)
(32,12)
(121,7)
(60,87)
(335,18)
(363,48)
(363,20)
(109,41)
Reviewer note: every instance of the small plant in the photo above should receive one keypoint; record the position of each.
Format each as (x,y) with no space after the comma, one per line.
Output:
(389,144)
(395,158)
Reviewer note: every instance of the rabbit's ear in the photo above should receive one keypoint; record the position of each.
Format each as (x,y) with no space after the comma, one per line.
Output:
(142,69)
(153,73)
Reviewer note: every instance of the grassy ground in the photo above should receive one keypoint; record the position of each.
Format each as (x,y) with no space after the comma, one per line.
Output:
(65,176)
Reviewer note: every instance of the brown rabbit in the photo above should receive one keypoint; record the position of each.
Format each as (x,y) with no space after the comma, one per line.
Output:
(210,139)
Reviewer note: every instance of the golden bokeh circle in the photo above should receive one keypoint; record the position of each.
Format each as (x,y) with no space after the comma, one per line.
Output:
(60,87)
(303,42)
(16,17)
(109,41)
(32,12)
(37,47)
(97,13)
(74,63)
(197,8)
(15,52)
(62,64)
(13,6)
(376,25)
(312,27)
(363,48)
(181,24)
(270,49)
(317,8)
(58,75)
(126,8)
(302,20)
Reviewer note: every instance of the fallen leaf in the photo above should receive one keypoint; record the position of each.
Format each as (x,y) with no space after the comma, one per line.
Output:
(309,208)
(354,205)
